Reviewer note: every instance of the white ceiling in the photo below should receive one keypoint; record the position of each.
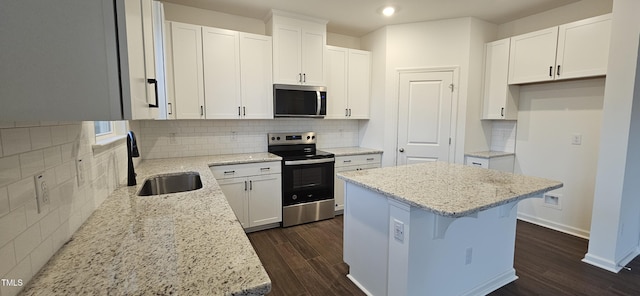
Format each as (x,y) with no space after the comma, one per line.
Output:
(359,17)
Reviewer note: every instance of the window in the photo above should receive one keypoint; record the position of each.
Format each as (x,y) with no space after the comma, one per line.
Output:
(103,128)
(107,131)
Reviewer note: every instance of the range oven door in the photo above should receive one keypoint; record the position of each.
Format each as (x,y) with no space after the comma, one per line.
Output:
(307,180)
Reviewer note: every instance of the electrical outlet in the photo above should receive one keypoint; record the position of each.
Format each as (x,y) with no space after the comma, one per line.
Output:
(398,230)
(468,256)
(80,171)
(576,139)
(42,192)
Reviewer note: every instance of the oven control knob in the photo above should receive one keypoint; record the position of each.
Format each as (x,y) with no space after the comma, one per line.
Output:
(308,137)
(273,138)
(278,138)
(313,137)
(294,197)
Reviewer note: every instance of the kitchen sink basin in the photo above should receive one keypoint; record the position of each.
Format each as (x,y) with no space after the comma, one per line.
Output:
(181,182)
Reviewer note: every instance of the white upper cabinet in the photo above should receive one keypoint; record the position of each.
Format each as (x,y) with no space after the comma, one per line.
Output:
(219,74)
(583,48)
(359,84)
(185,77)
(298,49)
(500,100)
(348,83)
(256,76)
(221,51)
(72,65)
(575,50)
(533,56)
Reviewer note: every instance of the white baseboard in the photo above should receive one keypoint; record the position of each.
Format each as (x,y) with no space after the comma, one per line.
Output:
(361,287)
(554,225)
(610,265)
(494,284)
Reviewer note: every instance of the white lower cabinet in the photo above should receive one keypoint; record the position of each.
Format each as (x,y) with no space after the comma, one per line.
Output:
(351,163)
(254,191)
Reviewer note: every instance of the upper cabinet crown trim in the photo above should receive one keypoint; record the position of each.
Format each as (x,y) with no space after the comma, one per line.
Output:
(294,16)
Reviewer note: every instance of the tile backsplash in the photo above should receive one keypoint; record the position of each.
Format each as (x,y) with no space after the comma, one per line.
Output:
(179,138)
(503,136)
(28,238)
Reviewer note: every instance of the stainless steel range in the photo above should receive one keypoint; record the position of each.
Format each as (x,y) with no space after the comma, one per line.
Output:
(307,178)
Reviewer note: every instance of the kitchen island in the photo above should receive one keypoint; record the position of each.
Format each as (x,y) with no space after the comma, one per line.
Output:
(433,228)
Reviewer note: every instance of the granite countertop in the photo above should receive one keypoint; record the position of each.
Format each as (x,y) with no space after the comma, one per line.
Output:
(488,154)
(188,243)
(451,190)
(346,151)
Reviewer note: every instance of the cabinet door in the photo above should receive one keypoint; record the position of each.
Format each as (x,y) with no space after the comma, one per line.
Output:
(583,48)
(256,73)
(336,82)
(235,190)
(61,60)
(168,66)
(313,68)
(221,56)
(265,199)
(186,62)
(359,84)
(287,54)
(499,99)
(149,58)
(533,56)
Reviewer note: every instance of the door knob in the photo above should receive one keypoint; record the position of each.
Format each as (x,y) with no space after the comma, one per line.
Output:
(401,150)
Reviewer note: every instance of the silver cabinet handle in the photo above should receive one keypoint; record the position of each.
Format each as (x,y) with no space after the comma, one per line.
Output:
(401,149)
(170,108)
(244,111)
(304,77)
(349,112)
(250,185)
(299,77)
(476,163)
(238,110)
(346,161)
(370,159)
(229,172)
(245,185)
(551,71)
(201,110)
(265,169)
(346,112)
(502,112)
(558,71)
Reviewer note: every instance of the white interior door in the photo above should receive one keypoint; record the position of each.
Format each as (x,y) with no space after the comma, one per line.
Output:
(424,116)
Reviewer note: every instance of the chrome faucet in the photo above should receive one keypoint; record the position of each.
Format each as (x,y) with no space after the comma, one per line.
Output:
(132,151)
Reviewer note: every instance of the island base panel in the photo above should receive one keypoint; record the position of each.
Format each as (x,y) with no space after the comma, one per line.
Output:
(471,255)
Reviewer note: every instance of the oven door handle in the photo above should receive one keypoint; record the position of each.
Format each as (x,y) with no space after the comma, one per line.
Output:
(309,161)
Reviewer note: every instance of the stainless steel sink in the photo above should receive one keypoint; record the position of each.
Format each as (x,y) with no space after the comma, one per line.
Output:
(180,182)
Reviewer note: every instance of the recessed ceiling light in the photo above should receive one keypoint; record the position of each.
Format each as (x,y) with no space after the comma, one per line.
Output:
(388,11)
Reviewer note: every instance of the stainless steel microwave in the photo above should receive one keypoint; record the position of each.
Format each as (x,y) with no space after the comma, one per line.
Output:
(299,101)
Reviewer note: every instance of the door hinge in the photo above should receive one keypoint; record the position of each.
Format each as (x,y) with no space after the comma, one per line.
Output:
(451,87)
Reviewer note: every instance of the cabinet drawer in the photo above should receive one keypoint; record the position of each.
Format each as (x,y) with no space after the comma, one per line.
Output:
(476,161)
(358,160)
(245,170)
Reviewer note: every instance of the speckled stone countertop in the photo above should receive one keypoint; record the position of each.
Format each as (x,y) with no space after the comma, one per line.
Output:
(187,243)
(346,151)
(451,190)
(488,154)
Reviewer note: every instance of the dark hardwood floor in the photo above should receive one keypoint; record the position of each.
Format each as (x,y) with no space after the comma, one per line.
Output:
(307,260)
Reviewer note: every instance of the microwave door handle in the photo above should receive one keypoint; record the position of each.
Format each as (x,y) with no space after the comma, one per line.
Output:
(319,102)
